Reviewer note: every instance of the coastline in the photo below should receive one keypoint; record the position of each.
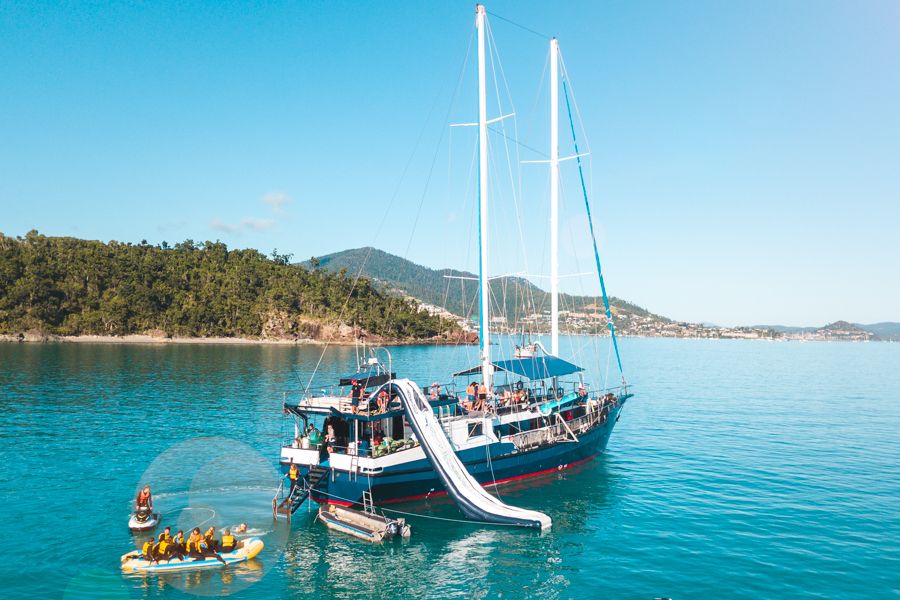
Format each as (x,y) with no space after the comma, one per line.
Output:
(145,339)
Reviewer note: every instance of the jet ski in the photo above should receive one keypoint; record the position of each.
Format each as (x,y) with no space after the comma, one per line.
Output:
(143,519)
(134,563)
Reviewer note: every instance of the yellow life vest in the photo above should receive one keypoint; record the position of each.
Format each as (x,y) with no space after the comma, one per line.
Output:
(148,546)
(164,537)
(228,541)
(163,546)
(294,473)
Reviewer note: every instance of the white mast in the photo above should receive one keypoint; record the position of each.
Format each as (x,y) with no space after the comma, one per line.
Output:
(554,198)
(485,291)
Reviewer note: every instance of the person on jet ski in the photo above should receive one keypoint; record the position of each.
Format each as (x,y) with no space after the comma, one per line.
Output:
(144,499)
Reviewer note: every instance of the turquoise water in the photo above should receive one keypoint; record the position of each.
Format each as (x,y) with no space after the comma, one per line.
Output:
(741,469)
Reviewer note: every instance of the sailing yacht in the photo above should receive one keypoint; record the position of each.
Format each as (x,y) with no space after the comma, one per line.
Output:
(532,413)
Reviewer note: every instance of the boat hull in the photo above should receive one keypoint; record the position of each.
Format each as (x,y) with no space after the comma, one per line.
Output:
(495,463)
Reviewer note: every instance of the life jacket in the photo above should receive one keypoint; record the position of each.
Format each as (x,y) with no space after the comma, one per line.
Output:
(164,537)
(163,546)
(178,540)
(228,542)
(294,473)
(147,549)
(143,499)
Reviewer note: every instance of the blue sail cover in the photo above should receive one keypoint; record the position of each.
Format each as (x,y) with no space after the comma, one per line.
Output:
(536,367)
(368,378)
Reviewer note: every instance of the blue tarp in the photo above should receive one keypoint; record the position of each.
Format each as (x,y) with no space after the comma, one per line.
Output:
(368,379)
(536,367)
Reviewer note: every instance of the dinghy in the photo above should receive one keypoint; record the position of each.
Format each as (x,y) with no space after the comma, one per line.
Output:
(134,563)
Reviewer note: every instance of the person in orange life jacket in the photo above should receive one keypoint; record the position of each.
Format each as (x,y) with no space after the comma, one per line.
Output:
(144,499)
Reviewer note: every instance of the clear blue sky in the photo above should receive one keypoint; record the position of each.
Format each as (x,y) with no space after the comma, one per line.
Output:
(746,155)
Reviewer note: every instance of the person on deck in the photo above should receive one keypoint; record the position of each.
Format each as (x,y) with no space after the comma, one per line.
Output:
(330,439)
(582,392)
(482,396)
(471,391)
(144,499)
(355,395)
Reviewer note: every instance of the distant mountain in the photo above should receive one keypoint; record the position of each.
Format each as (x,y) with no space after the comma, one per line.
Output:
(885,330)
(457,291)
(882,331)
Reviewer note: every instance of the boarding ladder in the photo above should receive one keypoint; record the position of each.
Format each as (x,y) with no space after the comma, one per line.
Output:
(288,505)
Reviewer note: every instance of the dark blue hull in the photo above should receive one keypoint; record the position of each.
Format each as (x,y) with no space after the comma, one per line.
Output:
(415,480)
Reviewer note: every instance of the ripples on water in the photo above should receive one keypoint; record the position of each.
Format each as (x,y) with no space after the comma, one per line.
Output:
(741,469)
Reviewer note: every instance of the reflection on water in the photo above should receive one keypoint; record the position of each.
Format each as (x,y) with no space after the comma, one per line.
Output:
(772,467)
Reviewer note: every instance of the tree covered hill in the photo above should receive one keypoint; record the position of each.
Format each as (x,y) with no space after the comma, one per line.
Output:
(68,286)
(514,297)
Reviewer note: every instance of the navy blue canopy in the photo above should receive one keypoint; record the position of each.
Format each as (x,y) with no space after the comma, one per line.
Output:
(534,367)
(368,379)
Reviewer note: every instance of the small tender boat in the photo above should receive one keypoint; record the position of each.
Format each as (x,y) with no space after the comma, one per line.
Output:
(133,563)
(363,525)
(143,519)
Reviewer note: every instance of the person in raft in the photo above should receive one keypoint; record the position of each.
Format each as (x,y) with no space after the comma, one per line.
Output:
(179,545)
(165,547)
(229,542)
(144,499)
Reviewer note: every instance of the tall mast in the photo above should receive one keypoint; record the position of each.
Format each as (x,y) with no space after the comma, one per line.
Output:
(554,198)
(484,290)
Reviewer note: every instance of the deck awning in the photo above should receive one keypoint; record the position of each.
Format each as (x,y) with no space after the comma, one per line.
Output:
(368,378)
(534,367)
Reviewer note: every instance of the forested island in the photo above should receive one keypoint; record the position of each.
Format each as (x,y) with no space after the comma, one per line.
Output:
(71,287)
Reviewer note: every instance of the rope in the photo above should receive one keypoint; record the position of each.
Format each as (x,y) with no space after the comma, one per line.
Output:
(587,205)
(211,517)
(522,27)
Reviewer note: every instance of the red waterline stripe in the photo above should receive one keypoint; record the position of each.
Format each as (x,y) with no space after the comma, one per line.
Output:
(444,492)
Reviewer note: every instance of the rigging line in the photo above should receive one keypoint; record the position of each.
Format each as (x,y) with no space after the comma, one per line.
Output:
(517,193)
(384,217)
(520,26)
(587,205)
(459,79)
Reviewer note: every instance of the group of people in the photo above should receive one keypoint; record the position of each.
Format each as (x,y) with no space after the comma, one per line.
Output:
(477,396)
(198,546)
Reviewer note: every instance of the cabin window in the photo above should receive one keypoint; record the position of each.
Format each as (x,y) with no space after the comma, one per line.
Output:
(475,429)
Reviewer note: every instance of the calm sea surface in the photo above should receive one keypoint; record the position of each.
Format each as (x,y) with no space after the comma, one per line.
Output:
(740,470)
